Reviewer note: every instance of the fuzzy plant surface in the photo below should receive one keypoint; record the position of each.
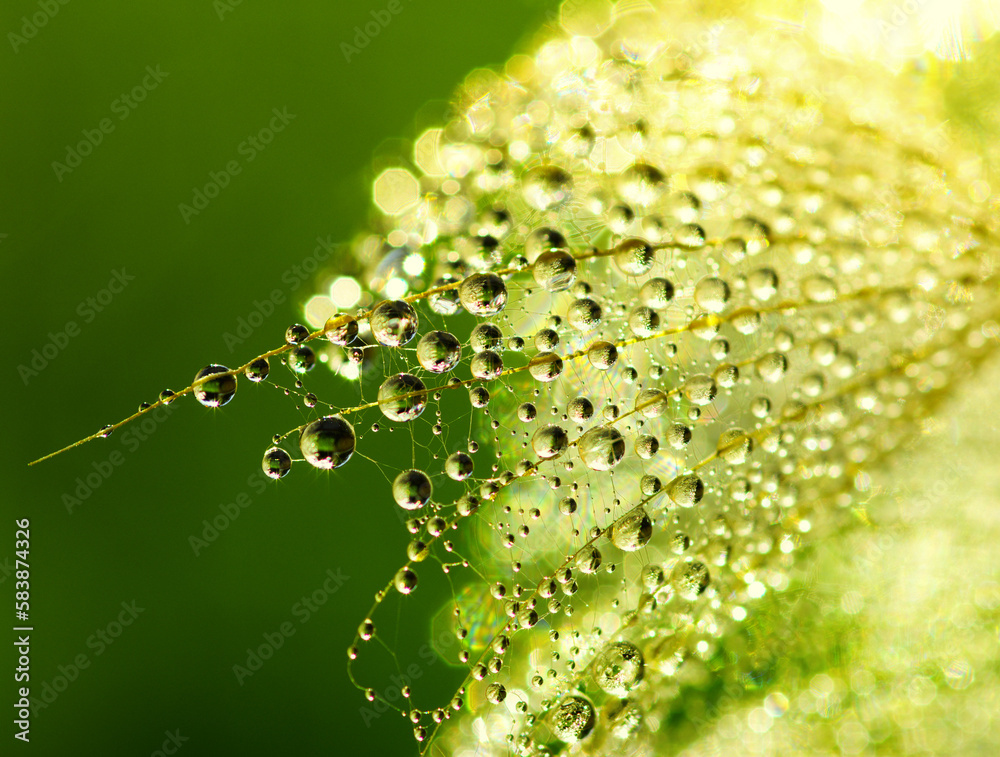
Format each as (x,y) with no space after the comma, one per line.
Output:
(658,307)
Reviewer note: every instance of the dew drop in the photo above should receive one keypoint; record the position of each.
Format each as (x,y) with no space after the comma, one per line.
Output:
(302,359)
(485,336)
(458,466)
(619,668)
(258,370)
(483,294)
(547,187)
(402,397)
(690,579)
(405,581)
(411,489)
(632,532)
(601,448)
(656,293)
(686,491)
(550,441)
(546,366)
(276,463)
(634,257)
(296,334)
(341,329)
(555,270)
(393,323)
(215,392)
(439,351)
(327,442)
(602,355)
(573,719)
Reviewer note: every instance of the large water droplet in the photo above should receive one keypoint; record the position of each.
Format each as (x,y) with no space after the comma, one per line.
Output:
(602,448)
(619,668)
(687,490)
(555,271)
(632,532)
(690,579)
(549,441)
(394,322)
(402,397)
(483,294)
(218,391)
(546,187)
(573,719)
(439,351)
(276,463)
(634,257)
(411,489)
(327,442)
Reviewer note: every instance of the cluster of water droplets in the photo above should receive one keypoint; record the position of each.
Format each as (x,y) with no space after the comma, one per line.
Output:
(693,290)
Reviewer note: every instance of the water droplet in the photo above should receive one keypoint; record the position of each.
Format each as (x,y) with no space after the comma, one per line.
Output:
(652,403)
(327,442)
(393,323)
(486,336)
(819,289)
(411,489)
(546,366)
(646,445)
(405,581)
(580,409)
(735,446)
(486,365)
(573,719)
(634,257)
(302,359)
(276,463)
(445,302)
(550,441)
(546,187)
(458,466)
(341,329)
(633,531)
(215,392)
(527,412)
(602,355)
(584,315)
(402,397)
(650,485)
(495,693)
(602,448)
(366,630)
(619,668)
(483,294)
(763,284)
(686,491)
(555,271)
(258,370)
(544,240)
(678,436)
(771,367)
(711,294)
(589,559)
(641,184)
(700,389)
(296,334)
(439,351)
(745,320)
(656,293)
(690,579)
(643,321)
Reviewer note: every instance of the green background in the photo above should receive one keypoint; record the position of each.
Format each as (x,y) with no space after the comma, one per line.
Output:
(172,669)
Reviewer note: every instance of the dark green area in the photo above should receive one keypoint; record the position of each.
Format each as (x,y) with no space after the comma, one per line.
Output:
(66,233)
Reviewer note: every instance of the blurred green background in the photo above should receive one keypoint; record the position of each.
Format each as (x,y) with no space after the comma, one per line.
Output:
(222,67)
